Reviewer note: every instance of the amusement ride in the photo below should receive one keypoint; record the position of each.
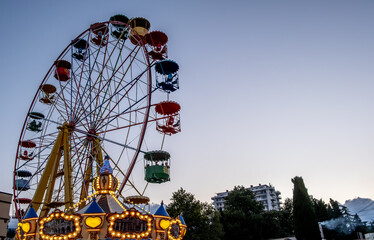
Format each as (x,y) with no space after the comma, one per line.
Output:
(93,120)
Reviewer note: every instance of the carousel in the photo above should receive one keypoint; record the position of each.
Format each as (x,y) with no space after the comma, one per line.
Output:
(104,217)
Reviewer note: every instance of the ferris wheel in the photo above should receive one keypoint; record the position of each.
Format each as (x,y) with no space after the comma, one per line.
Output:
(106,89)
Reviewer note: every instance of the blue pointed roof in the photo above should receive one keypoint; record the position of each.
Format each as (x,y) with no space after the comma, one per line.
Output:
(94,208)
(182,219)
(161,211)
(106,168)
(30,213)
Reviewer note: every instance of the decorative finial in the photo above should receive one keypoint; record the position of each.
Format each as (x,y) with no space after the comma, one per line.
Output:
(106,168)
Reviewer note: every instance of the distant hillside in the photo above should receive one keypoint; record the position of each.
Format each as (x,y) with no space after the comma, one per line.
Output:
(364,207)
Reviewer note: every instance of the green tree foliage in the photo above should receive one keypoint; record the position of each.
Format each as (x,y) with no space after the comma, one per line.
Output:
(10,233)
(242,217)
(203,222)
(335,211)
(321,209)
(306,226)
(287,218)
(277,224)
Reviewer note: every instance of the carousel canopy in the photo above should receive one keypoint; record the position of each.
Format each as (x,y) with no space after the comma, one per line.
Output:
(94,208)
(161,211)
(30,213)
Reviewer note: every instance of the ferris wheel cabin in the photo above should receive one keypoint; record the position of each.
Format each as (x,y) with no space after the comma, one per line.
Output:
(80,47)
(120,31)
(27,149)
(167,75)
(35,123)
(47,93)
(62,72)
(157,166)
(157,40)
(169,121)
(140,27)
(100,32)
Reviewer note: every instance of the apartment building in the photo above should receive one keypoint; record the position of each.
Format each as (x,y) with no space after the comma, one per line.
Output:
(266,194)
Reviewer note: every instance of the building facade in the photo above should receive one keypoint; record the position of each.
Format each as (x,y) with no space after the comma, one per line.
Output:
(5,201)
(266,194)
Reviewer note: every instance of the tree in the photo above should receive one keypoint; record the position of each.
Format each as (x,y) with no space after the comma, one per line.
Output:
(320,209)
(242,217)
(287,218)
(203,222)
(306,226)
(334,210)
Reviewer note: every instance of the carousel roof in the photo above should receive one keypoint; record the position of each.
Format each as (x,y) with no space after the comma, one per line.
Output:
(161,211)
(30,213)
(182,219)
(93,207)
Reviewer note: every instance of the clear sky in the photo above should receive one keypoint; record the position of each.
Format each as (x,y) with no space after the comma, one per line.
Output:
(269,89)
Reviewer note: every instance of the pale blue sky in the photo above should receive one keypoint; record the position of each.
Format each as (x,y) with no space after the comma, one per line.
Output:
(269,89)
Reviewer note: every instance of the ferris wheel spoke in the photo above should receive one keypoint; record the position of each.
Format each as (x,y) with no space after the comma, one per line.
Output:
(78,95)
(118,85)
(127,109)
(107,84)
(114,94)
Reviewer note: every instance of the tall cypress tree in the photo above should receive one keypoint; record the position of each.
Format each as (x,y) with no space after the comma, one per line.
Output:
(306,225)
